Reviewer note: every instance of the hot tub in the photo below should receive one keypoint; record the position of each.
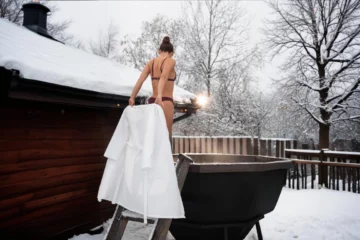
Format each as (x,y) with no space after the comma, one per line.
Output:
(224,196)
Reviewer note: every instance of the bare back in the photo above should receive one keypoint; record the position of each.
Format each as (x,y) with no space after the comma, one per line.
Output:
(155,71)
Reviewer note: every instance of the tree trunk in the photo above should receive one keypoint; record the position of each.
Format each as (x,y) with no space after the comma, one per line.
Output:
(324,132)
(324,128)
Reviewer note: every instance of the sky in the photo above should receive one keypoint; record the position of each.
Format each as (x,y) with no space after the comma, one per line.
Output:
(89,17)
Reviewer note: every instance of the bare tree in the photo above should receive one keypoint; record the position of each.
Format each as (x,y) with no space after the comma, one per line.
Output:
(214,33)
(11,10)
(322,38)
(107,43)
(140,50)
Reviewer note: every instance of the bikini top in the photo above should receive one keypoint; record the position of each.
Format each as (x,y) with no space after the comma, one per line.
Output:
(158,78)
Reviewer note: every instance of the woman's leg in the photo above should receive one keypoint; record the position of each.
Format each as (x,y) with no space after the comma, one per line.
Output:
(169,114)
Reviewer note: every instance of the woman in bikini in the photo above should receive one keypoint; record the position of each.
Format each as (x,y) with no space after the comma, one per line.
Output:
(163,76)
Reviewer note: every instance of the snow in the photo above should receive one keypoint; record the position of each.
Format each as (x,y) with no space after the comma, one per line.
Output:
(342,152)
(299,214)
(303,150)
(42,59)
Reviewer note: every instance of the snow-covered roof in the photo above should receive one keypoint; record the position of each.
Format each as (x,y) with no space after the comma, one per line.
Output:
(42,59)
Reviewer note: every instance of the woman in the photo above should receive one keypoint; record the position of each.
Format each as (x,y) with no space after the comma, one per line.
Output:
(163,76)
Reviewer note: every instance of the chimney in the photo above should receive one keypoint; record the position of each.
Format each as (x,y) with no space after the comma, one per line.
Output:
(35,17)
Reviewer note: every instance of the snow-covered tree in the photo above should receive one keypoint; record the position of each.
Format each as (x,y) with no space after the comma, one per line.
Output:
(108,43)
(214,38)
(137,51)
(322,38)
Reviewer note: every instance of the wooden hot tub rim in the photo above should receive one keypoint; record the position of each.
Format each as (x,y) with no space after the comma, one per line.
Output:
(265,164)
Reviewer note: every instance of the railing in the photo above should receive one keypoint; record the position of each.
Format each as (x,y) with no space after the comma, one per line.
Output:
(335,170)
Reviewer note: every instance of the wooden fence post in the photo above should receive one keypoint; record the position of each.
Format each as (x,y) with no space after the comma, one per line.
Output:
(263,147)
(256,146)
(269,148)
(249,146)
(277,149)
(295,144)
(321,172)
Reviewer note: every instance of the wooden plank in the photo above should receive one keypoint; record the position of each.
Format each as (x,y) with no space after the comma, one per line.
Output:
(44,202)
(61,217)
(116,230)
(9,156)
(90,185)
(51,210)
(215,145)
(67,224)
(244,146)
(176,147)
(47,163)
(231,145)
(209,145)
(269,148)
(256,146)
(249,146)
(15,201)
(295,144)
(56,123)
(220,145)
(192,145)
(277,150)
(197,145)
(53,134)
(9,213)
(287,144)
(187,145)
(11,179)
(181,145)
(237,146)
(38,154)
(35,110)
(282,149)
(263,149)
(225,146)
(51,182)
(203,145)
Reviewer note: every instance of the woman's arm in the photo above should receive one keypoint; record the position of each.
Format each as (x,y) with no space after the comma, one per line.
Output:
(143,76)
(169,65)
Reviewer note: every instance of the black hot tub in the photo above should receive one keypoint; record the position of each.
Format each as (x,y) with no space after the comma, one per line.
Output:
(224,196)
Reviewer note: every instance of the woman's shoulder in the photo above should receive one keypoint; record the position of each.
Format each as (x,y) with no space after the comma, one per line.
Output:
(170,60)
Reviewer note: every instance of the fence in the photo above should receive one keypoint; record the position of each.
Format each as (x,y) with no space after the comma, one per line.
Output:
(232,145)
(335,170)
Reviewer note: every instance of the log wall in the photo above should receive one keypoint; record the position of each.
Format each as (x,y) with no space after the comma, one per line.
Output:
(52,162)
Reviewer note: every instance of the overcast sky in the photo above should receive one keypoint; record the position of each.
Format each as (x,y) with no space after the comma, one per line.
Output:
(88,17)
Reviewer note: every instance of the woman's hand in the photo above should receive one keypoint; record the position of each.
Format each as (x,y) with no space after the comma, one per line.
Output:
(131,102)
(158,101)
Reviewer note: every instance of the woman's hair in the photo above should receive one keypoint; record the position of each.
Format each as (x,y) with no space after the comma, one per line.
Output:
(166,45)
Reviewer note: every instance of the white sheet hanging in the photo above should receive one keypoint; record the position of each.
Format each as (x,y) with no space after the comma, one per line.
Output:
(139,173)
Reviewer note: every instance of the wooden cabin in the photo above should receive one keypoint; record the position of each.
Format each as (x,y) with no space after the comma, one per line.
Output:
(53,137)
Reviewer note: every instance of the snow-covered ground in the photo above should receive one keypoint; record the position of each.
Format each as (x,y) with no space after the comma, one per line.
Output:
(317,214)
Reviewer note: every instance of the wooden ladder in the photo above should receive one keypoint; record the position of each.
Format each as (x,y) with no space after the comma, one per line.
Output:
(161,226)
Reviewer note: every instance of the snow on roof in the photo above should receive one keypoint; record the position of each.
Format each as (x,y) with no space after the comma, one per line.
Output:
(42,59)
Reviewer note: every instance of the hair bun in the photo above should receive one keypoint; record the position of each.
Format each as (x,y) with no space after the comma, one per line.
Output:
(166,40)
